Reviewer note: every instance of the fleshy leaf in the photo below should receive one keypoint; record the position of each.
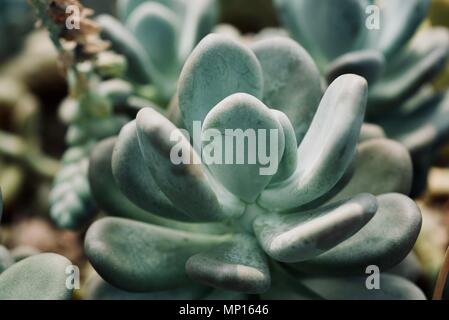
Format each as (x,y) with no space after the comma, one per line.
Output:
(292,81)
(317,25)
(40,277)
(391,288)
(371,131)
(425,57)
(301,236)
(124,43)
(399,21)
(384,241)
(239,266)
(141,257)
(6,260)
(241,170)
(217,68)
(334,132)
(156,29)
(98,289)
(382,166)
(185,184)
(366,63)
(135,179)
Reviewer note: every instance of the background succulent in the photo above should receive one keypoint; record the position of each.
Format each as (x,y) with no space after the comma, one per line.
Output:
(306,231)
(157,37)
(398,64)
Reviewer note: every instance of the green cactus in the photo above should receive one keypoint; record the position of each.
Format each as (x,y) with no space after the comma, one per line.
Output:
(398,64)
(157,36)
(307,230)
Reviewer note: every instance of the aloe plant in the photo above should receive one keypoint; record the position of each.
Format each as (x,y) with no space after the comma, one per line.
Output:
(397,61)
(307,230)
(156,37)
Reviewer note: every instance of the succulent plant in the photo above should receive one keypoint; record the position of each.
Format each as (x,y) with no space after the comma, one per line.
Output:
(157,36)
(397,64)
(306,230)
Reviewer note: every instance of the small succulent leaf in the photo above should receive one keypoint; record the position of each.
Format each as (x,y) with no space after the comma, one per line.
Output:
(39,277)
(200,18)
(217,68)
(300,236)
(382,166)
(424,58)
(156,29)
(366,63)
(423,124)
(334,131)
(217,294)
(123,42)
(354,288)
(6,259)
(399,21)
(371,131)
(292,82)
(136,180)
(317,25)
(241,118)
(289,160)
(98,289)
(185,183)
(384,241)
(140,257)
(239,265)
(285,286)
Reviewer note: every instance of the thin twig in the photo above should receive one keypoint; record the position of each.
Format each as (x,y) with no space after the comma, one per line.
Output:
(442,277)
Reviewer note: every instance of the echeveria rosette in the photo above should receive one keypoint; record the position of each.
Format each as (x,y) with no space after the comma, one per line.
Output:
(157,36)
(398,62)
(238,231)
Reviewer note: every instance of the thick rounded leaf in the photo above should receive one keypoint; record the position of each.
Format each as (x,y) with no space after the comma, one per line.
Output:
(40,277)
(176,169)
(140,257)
(366,63)
(217,68)
(382,166)
(124,43)
(398,22)
(111,199)
(327,28)
(289,160)
(135,179)
(300,236)
(238,266)
(6,260)
(425,57)
(391,288)
(156,29)
(421,126)
(371,131)
(328,147)
(98,289)
(384,241)
(292,82)
(200,17)
(243,143)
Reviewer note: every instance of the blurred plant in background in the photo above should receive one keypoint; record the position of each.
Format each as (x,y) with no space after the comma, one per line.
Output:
(398,65)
